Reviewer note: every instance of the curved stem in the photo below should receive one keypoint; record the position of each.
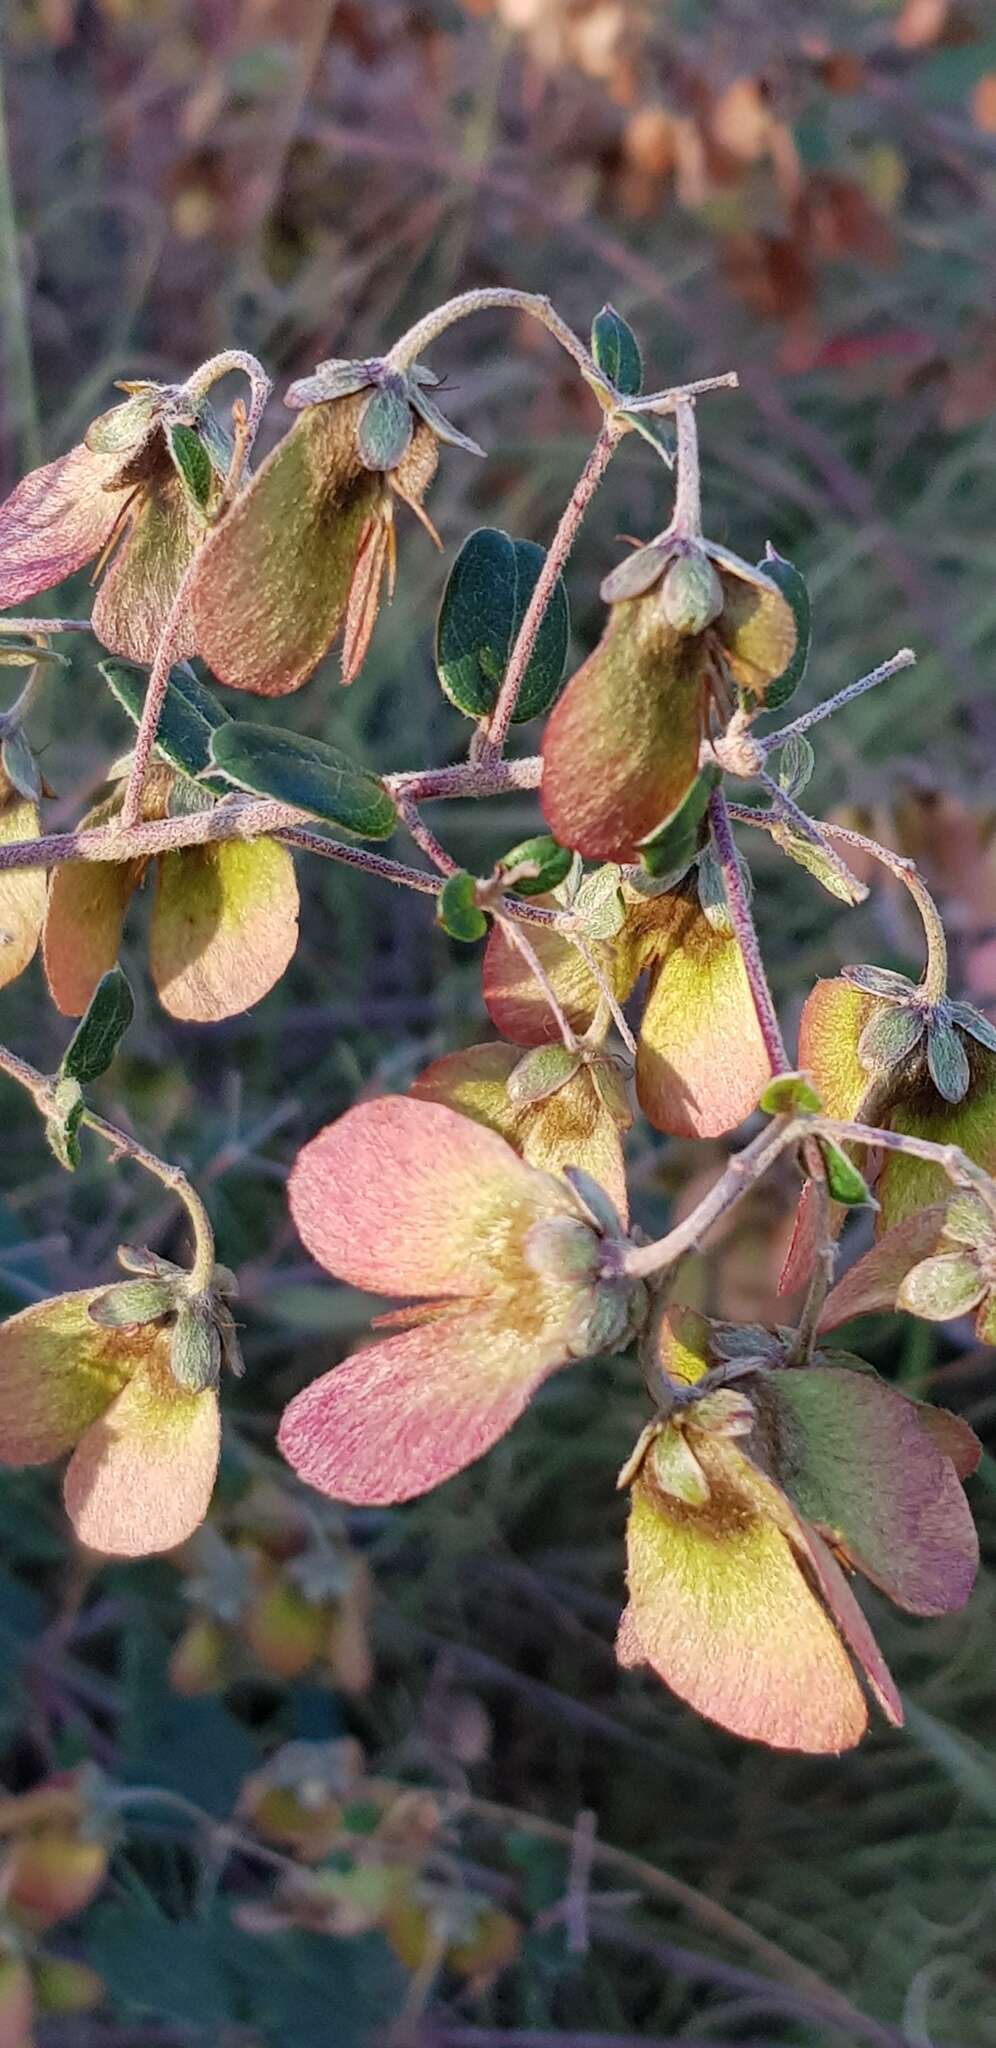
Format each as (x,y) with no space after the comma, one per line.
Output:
(216,367)
(490,297)
(743,926)
(39,1087)
(492,738)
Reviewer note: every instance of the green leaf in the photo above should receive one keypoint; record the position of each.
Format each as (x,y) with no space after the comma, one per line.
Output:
(671,849)
(189,716)
(62,1127)
(457,909)
(314,777)
(796,763)
(100,1031)
(844,1182)
(553,865)
(484,604)
(193,465)
(195,1349)
(167,1967)
(822,863)
(385,425)
(652,428)
(969,1019)
(617,352)
(794,590)
(947,1060)
(789,1094)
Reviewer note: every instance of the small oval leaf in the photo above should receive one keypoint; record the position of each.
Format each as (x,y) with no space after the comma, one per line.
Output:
(793,587)
(193,465)
(189,716)
(458,910)
(100,1031)
(484,604)
(385,425)
(314,777)
(553,864)
(617,352)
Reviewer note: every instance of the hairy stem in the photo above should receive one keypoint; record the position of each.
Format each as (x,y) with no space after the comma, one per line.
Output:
(492,738)
(209,373)
(743,926)
(466,778)
(748,1167)
(934,981)
(39,1087)
(529,954)
(687,518)
(904,659)
(155,697)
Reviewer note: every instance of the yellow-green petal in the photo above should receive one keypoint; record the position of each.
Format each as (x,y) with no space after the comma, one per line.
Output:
(58,1372)
(223,927)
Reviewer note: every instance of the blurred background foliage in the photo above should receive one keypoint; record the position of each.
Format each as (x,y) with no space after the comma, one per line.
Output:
(517,1844)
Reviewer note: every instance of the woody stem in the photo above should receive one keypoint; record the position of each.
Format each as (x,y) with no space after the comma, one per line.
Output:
(748,1167)
(490,741)
(745,933)
(40,1088)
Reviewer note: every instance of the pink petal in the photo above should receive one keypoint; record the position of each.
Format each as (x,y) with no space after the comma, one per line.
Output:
(399,1418)
(57,518)
(408,1197)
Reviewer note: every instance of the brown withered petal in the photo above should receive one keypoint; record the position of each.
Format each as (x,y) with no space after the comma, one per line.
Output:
(756,627)
(622,745)
(22,890)
(58,518)
(137,591)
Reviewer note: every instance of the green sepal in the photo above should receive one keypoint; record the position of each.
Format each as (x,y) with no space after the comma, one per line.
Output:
(193,465)
(483,606)
(189,716)
(457,909)
(553,865)
(792,585)
(672,847)
(100,1030)
(385,426)
(947,1059)
(195,1348)
(270,761)
(131,1303)
(617,352)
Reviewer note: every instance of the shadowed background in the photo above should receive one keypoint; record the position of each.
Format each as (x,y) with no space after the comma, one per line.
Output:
(811,201)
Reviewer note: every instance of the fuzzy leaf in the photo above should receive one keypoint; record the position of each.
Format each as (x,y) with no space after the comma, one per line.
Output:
(874,1280)
(457,909)
(100,1031)
(193,465)
(598,903)
(617,352)
(20,767)
(317,778)
(484,603)
(57,518)
(796,763)
(553,864)
(889,1036)
(655,431)
(822,863)
(130,1303)
(189,716)
(880,981)
(58,1372)
(793,587)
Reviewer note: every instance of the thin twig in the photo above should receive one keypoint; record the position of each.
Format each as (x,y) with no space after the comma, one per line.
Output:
(743,926)
(492,738)
(39,1087)
(904,659)
(155,697)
